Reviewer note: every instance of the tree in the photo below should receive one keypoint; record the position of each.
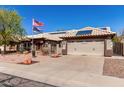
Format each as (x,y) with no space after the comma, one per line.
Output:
(117,39)
(10,27)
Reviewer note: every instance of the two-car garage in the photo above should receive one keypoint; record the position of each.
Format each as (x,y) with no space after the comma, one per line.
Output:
(89,41)
(91,47)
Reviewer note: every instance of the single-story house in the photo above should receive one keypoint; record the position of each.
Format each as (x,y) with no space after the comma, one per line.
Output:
(85,41)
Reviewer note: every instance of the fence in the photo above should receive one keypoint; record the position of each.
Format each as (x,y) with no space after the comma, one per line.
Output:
(118,48)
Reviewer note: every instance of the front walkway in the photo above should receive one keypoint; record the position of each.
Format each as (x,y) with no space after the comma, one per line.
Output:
(63,71)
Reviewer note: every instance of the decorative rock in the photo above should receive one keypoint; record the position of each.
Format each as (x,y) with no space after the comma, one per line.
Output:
(114,67)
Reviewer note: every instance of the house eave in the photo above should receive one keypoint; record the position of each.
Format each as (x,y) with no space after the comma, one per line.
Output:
(88,36)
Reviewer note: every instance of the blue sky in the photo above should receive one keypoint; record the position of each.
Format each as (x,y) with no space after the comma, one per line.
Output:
(71,17)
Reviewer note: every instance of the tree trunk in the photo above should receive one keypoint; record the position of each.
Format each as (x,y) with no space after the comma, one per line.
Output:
(17,47)
(4,52)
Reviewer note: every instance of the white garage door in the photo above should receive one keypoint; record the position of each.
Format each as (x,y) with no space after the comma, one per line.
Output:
(86,48)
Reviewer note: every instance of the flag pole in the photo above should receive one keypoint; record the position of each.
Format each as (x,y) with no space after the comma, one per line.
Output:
(33,50)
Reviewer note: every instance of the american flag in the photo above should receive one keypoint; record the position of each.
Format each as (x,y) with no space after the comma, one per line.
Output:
(36,29)
(37,23)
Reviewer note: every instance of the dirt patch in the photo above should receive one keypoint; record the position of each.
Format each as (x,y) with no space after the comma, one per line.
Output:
(114,67)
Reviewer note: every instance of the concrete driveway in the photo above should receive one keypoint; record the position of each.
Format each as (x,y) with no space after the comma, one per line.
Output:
(64,71)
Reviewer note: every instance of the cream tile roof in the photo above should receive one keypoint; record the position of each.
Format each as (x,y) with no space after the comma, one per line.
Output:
(95,31)
(52,37)
(69,33)
(35,36)
(98,31)
(47,36)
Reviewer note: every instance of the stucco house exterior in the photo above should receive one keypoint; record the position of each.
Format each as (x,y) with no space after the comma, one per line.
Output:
(89,41)
(84,41)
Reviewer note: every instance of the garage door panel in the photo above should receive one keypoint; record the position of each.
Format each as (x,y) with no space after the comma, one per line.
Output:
(86,48)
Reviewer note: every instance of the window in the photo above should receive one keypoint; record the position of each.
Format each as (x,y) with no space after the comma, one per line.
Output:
(84,32)
(58,33)
(104,28)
